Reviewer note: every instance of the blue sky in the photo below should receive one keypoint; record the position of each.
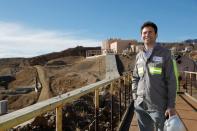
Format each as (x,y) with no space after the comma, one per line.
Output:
(34,27)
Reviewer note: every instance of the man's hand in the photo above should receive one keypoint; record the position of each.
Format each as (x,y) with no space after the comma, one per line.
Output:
(170,112)
(134,96)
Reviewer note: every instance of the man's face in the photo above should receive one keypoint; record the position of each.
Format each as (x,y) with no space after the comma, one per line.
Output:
(148,35)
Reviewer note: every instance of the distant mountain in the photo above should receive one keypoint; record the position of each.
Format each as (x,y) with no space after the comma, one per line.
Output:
(77,51)
(191,41)
(43,59)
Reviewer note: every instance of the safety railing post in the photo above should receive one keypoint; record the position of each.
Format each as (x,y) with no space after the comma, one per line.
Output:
(190,84)
(179,84)
(96,109)
(185,81)
(125,92)
(196,81)
(131,88)
(112,101)
(59,118)
(129,92)
(120,103)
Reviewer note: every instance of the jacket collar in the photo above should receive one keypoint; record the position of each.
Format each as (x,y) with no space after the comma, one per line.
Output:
(156,46)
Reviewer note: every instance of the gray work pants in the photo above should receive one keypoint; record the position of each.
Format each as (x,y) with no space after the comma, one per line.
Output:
(149,120)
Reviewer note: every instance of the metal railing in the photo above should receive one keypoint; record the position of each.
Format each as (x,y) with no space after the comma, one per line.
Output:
(189,82)
(124,94)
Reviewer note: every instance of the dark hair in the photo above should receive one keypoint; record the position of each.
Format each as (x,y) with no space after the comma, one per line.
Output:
(151,24)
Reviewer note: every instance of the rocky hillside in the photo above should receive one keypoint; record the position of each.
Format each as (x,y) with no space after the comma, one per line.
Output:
(65,70)
(43,59)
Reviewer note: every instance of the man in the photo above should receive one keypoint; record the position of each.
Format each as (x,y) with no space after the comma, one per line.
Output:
(154,82)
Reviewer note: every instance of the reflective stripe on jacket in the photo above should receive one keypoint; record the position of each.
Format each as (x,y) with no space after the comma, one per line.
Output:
(176,74)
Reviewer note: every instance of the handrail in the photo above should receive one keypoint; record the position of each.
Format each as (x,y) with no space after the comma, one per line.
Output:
(190,72)
(17,117)
(190,81)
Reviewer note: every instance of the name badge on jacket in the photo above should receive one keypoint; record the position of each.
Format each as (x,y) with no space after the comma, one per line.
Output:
(158,59)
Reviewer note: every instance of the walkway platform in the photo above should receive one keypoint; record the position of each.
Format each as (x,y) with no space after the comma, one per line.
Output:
(186,109)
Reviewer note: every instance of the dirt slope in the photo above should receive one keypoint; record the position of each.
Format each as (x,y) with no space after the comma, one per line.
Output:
(65,74)
(44,80)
